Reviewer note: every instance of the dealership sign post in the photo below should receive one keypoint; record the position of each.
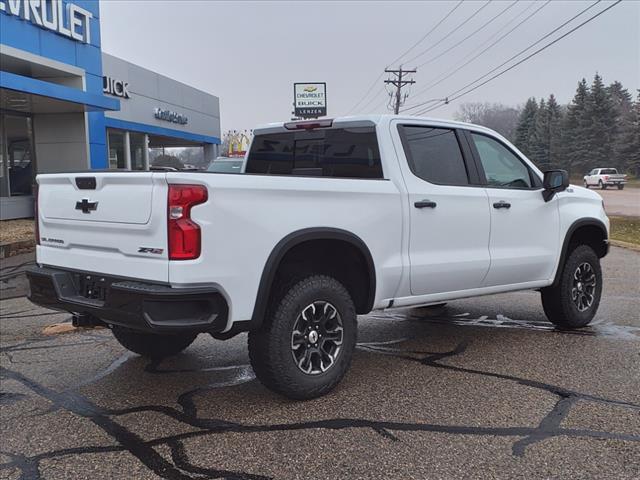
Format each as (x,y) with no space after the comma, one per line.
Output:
(310,100)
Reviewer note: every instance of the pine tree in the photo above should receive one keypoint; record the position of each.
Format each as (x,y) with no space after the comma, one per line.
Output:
(539,145)
(621,99)
(555,132)
(628,141)
(600,125)
(574,145)
(526,126)
(622,103)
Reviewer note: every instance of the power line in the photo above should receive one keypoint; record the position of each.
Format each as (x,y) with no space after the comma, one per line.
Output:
(486,24)
(452,97)
(437,81)
(519,53)
(406,51)
(375,82)
(467,20)
(399,100)
(382,90)
(428,33)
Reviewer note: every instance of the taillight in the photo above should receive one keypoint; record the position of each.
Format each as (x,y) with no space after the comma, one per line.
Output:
(35,214)
(606,177)
(184,233)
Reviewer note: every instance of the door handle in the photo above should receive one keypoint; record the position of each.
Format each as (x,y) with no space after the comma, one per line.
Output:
(425,204)
(502,204)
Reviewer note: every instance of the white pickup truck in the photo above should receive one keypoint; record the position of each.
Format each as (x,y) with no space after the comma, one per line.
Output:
(605,177)
(331,219)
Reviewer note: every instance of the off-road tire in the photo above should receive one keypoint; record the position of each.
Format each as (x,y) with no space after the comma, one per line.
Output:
(270,347)
(152,345)
(557,301)
(620,187)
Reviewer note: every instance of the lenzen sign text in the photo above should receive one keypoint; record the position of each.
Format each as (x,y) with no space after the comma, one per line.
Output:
(71,21)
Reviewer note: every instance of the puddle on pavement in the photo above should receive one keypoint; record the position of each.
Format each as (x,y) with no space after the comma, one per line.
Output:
(598,328)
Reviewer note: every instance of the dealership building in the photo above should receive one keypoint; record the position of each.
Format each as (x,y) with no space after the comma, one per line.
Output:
(67,106)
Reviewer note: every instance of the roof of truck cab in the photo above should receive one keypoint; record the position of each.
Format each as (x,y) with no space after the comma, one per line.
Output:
(380,119)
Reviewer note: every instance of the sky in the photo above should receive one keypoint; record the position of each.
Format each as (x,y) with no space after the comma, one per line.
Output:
(249,54)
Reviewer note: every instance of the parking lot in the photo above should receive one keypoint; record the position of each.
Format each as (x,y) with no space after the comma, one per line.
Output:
(622,202)
(482,388)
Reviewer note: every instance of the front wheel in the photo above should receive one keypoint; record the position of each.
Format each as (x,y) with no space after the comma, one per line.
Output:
(306,342)
(573,302)
(152,345)
(586,185)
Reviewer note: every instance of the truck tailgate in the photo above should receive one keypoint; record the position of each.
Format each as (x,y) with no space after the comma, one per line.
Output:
(112,223)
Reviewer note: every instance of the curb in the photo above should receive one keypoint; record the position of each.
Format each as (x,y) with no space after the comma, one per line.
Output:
(627,245)
(9,249)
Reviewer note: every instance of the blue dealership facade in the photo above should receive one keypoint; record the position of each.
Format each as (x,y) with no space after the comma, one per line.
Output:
(61,110)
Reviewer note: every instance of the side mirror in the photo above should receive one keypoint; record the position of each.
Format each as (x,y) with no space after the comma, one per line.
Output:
(554,181)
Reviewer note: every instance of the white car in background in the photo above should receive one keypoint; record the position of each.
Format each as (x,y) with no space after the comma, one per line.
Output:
(605,177)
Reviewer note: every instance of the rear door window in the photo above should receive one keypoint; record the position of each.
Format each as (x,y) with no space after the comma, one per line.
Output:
(434,154)
(335,152)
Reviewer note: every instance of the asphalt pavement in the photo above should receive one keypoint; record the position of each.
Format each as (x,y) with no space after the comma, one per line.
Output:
(621,202)
(482,388)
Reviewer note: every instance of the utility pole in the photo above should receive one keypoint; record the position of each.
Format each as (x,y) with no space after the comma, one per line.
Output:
(399,82)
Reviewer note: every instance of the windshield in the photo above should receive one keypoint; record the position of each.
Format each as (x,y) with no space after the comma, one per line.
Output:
(225,166)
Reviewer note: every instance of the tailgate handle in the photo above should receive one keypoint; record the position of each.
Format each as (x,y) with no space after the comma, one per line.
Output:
(86,183)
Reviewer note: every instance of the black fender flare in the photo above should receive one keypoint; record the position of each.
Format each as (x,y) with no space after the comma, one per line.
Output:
(583,222)
(296,238)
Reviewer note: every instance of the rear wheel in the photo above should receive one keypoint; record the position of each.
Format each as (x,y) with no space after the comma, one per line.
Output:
(620,187)
(152,345)
(305,344)
(602,185)
(573,302)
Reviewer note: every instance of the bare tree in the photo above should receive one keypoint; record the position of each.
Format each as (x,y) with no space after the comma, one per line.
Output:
(498,117)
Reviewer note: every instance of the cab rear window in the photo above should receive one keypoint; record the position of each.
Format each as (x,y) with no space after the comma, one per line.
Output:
(335,152)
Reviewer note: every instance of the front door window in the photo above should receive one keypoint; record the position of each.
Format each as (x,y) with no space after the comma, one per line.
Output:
(501,166)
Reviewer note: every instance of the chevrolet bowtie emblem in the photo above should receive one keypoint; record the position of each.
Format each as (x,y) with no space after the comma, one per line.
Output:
(86,206)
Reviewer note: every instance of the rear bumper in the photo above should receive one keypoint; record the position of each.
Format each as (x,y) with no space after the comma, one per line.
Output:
(129,303)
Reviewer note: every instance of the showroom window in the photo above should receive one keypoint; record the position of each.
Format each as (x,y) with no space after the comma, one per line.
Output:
(16,155)
(116,149)
(137,145)
(127,150)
